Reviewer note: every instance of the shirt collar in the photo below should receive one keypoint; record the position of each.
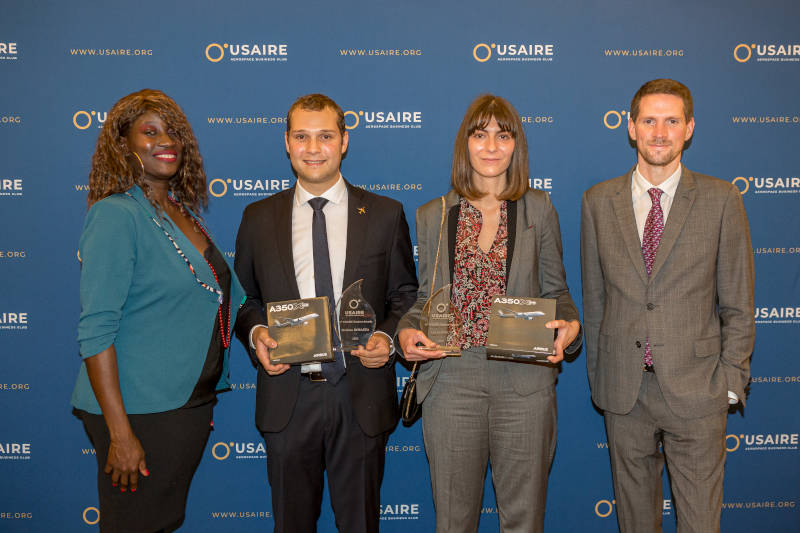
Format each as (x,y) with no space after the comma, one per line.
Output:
(334,195)
(640,185)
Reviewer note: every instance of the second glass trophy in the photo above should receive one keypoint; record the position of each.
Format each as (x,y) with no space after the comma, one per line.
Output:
(441,322)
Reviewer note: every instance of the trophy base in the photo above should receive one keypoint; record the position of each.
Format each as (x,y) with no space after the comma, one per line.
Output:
(302,358)
(449,351)
(348,348)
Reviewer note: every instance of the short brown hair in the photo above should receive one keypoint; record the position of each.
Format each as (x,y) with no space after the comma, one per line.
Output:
(479,113)
(316,102)
(663,86)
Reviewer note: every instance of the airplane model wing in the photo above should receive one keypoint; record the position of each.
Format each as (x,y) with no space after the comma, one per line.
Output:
(289,322)
(525,315)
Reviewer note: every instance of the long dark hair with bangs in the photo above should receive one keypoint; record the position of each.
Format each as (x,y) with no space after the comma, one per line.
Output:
(112,171)
(479,113)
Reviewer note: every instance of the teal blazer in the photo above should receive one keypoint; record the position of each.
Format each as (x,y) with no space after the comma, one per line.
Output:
(138,294)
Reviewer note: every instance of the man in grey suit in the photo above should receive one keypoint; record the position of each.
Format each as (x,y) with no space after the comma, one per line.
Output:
(668,311)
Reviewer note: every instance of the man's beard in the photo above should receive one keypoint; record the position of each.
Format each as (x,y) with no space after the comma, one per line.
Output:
(659,159)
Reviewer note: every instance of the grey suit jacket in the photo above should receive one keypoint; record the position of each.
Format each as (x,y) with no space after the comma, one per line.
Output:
(536,270)
(696,307)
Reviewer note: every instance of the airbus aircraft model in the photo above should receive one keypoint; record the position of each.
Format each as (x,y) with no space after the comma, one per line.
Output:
(299,321)
(525,315)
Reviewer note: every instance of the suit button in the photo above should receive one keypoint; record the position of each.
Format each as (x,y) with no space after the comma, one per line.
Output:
(650,307)
(638,344)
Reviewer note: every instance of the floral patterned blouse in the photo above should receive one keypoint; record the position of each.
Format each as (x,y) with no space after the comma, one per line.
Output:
(478,276)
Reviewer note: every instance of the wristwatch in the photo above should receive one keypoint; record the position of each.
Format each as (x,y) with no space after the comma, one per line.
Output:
(388,339)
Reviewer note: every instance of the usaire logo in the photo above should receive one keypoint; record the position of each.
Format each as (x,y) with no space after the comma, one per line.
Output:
(240,450)
(91,515)
(750,442)
(13,320)
(613,118)
(247,187)
(777,315)
(539,52)
(391,119)
(249,52)
(15,451)
(767,185)
(8,51)
(10,186)
(399,511)
(604,508)
(765,52)
(83,120)
(545,184)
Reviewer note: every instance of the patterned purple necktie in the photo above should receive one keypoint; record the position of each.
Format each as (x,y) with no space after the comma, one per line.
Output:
(653,228)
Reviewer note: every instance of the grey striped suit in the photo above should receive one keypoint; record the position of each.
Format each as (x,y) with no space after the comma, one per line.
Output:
(696,308)
(476,410)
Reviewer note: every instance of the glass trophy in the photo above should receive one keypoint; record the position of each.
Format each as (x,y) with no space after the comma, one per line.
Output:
(355,322)
(441,322)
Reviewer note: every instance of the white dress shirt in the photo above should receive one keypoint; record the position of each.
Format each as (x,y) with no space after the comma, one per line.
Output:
(641,198)
(302,242)
(641,207)
(303,247)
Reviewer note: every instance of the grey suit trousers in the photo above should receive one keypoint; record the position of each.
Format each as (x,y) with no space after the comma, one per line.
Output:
(471,416)
(695,452)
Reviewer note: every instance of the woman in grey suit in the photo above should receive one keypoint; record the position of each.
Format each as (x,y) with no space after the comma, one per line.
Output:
(492,235)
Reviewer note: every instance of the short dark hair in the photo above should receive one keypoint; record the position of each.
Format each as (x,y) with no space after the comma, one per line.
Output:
(663,86)
(479,113)
(316,102)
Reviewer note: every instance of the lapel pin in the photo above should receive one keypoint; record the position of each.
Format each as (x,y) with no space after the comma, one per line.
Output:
(362,210)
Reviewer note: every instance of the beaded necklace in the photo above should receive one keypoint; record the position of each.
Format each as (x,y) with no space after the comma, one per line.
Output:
(224,331)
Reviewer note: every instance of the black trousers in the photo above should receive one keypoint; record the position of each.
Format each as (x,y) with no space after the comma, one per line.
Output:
(173,443)
(323,435)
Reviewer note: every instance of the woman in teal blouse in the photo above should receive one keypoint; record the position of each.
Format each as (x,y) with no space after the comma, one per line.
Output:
(158,302)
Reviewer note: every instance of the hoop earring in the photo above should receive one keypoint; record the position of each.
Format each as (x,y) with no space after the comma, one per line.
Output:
(141,164)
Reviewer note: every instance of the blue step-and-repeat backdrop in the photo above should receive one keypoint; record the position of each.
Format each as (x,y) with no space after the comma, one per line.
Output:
(404,71)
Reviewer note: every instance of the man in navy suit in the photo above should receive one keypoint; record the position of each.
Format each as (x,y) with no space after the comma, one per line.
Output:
(336,417)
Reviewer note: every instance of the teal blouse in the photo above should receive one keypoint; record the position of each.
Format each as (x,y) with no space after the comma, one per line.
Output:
(139,294)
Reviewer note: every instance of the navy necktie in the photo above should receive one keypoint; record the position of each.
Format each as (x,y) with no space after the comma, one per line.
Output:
(323,282)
